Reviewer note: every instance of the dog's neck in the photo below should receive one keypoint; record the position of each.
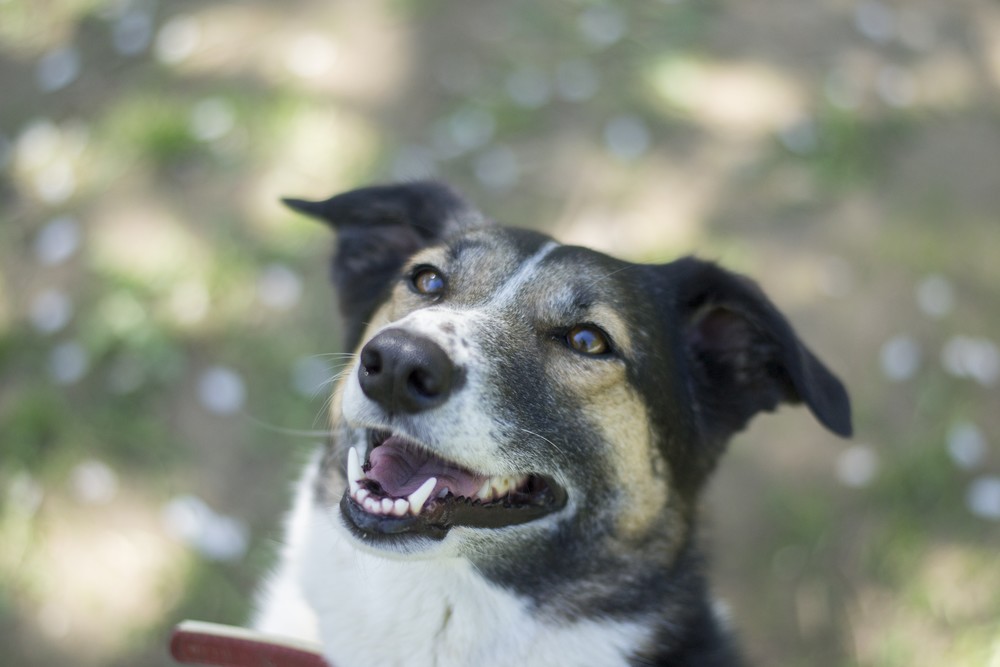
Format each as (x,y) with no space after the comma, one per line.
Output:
(373,610)
(441,612)
(369,609)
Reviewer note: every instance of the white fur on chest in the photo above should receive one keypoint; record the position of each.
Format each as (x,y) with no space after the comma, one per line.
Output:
(371,610)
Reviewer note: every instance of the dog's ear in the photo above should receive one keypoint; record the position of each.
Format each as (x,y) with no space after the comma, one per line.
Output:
(744,356)
(378,229)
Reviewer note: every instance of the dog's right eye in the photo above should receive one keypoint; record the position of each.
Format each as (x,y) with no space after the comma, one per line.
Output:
(427,280)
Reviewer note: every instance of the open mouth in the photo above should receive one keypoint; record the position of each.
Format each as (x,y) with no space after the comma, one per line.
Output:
(404,488)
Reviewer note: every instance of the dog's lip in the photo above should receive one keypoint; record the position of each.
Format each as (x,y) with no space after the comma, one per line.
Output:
(429,506)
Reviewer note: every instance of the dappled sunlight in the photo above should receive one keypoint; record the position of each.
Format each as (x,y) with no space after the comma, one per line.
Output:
(948,604)
(947,81)
(988,25)
(806,278)
(94,575)
(738,99)
(142,241)
(312,50)
(322,151)
(167,336)
(47,159)
(658,214)
(946,576)
(29,28)
(212,40)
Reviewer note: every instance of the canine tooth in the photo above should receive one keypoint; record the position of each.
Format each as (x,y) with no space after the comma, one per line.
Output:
(486,492)
(386,505)
(373,506)
(361,494)
(420,496)
(400,507)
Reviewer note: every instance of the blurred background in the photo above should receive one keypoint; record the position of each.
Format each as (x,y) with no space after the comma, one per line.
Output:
(166,330)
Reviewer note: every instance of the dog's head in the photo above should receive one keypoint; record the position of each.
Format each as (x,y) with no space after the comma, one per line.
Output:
(511,395)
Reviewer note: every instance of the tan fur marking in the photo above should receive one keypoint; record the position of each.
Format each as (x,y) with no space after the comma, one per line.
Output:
(607,318)
(615,408)
(622,418)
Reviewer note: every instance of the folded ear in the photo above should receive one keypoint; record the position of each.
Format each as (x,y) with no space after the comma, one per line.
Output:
(744,356)
(378,229)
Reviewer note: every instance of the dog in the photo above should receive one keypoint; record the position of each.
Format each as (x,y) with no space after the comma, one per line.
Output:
(518,449)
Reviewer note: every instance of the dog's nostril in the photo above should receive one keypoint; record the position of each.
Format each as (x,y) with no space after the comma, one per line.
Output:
(371,361)
(424,383)
(405,372)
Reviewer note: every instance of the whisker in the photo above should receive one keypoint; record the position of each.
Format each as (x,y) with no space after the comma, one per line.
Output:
(325,410)
(608,275)
(554,445)
(341,359)
(331,381)
(287,431)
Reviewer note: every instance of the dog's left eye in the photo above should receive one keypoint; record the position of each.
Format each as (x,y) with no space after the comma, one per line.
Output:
(427,280)
(588,339)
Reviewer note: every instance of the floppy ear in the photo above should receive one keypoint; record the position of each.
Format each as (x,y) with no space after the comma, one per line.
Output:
(378,229)
(743,355)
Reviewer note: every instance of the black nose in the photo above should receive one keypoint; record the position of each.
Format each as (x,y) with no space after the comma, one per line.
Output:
(404,372)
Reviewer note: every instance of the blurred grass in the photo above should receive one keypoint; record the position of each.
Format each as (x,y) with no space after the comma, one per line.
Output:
(841,154)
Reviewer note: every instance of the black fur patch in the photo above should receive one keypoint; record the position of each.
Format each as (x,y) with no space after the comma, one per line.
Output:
(745,356)
(378,229)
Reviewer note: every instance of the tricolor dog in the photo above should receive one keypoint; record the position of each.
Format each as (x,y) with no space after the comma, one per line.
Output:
(518,450)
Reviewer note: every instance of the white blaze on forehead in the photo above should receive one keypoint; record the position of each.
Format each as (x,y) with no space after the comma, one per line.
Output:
(523,275)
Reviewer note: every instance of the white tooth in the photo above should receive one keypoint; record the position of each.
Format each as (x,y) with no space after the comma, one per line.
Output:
(354,471)
(373,506)
(386,505)
(361,494)
(500,485)
(420,496)
(400,507)
(486,492)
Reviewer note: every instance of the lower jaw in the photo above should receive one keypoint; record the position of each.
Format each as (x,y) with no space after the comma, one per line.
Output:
(434,523)
(390,530)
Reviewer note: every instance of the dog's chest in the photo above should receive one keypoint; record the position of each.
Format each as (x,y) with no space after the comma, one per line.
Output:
(441,613)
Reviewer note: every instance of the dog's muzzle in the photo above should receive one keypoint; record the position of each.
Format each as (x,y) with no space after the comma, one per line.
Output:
(406,373)
(400,486)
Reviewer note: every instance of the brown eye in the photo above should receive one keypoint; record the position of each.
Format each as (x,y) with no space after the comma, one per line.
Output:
(427,280)
(588,339)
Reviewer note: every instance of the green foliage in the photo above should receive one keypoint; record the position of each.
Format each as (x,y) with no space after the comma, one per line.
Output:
(193,151)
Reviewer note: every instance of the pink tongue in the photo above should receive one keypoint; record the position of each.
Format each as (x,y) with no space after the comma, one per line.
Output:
(401,469)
